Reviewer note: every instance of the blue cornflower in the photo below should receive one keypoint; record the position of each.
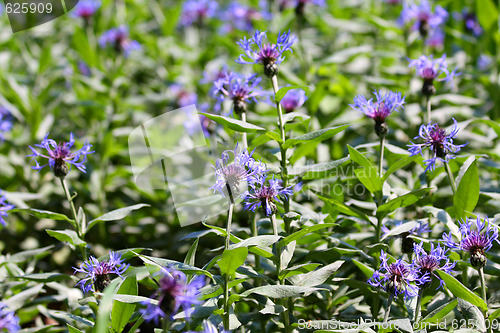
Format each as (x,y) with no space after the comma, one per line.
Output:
(440,143)
(230,175)
(430,70)
(241,17)
(471,23)
(239,89)
(428,263)
(60,154)
(379,110)
(182,96)
(4,208)
(86,9)
(293,100)
(97,273)
(119,40)
(407,241)
(422,16)
(8,320)
(269,55)
(396,278)
(484,62)
(5,121)
(173,293)
(475,241)
(265,196)
(84,69)
(197,11)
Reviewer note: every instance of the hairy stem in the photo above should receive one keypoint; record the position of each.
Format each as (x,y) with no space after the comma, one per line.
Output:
(275,224)
(419,302)
(483,284)
(381,165)
(451,178)
(226,303)
(244,134)
(428,109)
(388,309)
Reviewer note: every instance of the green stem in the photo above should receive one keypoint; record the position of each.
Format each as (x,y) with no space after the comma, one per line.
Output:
(255,233)
(378,232)
(166,324)
(284,170)
(451,178)
(72,205)
(225,318)
(275,224)
(388,309)
(428,109)
(419,302)
(483,284)
(381,165)
(228,227)
(244,134)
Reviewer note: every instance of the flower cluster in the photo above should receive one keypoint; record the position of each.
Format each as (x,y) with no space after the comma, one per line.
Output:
(58,155)
(5,121)
(429,262)
(4,208)
(476,240)
(269,55)
(119,40)
(293,100)
(8,320)
(379,110)
(425,21)
(440,143)
(97,272)
(397,278)
(86,9)
(430,70)
(265,196)
(239,89)
(174,292)
(197,11)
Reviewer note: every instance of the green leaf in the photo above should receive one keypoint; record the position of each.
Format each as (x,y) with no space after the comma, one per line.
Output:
(44,277)
(234,124)
(367,270)
(232,259)
(114,215)
(467,195)
(121,313)
(487,13)
(262,241)
(105,308)
(43,214)
(286,255)
(190,256)
(440,312)
(402,201)
(460,291)
(72,329)
(281,291)
(275,136)
(316,171)
(282,92)
(69,236)
(316,136)
(472,313)
(302,232)
(400,229)
(401,163)
(367,174)
(161,262)
(317,277)
(343,208)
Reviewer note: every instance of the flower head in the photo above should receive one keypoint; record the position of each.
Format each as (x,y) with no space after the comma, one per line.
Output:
(97,273)
(8,320)
(484,62)
(440,142)
(239,89)
(379,110)
(242,17)
(5,121)
(265,196)
(407,241)
(471,23)
(230,175)
(293,100)
(424,19)
(476,241)
(86,8)
(428,263)
(174,292)
(4,208)
(182,96)
(60,154)
(197,11)
(269,55)
(118,39)
(430,69)
(84,69)
(396,278)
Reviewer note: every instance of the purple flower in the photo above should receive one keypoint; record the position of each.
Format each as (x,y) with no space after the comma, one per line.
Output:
(239,89)
(476,241)
(8,320)
(4,208)
(86,8)
(440,143)
(265,196)
(197,11)
(484,62)
(422,16)
(192,126)
(430,70)
(406,239)
(83,68)
(436,39)
(241,16)
(97,273)
(229,175)
(428,263)
(174,292)
(5,121)
(118,39)
(471,23)
(300,4)
(182,96)
(269,55)
(379,110)
(396,278)
(293,100)
(60,154)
